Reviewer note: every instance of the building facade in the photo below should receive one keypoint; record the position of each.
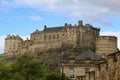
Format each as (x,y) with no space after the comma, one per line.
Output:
(91,66)
(83,67)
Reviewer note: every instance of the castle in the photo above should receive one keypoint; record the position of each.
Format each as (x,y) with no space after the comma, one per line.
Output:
(100,59)
(83,36)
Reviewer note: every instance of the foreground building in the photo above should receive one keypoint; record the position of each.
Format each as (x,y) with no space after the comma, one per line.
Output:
(80,67)
(90,66)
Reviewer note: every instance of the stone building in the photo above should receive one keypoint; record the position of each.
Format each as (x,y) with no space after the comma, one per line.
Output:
(83,36)
(91,66)
(83,67)
(110,70)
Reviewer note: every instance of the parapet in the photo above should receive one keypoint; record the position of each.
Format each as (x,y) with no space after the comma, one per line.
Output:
(107,38)
(13,37)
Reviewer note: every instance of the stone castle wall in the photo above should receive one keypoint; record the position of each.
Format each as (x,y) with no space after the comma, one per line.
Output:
(12,44)
(111,68)
(106,45)
(84,36)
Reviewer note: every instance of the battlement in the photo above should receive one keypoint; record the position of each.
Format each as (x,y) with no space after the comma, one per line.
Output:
(106,45)
(13,37)
(107,38)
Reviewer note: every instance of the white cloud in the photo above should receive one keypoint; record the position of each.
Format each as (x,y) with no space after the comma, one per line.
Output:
(2,43)
(4,5)
(109,33)
(31,17)
(35,18)
(81,6)
(25,37)
(79,9)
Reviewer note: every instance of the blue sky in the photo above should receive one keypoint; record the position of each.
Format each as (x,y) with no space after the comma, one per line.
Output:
(22,17)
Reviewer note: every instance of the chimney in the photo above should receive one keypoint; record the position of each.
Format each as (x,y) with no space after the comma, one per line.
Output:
(80,22)
(66,24)
(45,26)
(87,25)
(36,29)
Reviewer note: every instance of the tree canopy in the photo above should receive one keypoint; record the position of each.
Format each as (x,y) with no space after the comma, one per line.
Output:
(26,67)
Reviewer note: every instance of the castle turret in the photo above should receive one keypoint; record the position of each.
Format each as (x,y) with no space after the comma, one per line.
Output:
(80,23)
(12,44)
(106,45)
(65,24)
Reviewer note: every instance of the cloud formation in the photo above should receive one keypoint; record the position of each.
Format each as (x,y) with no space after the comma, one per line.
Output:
(97,10)
(35,18)
(2,43)
(30,17)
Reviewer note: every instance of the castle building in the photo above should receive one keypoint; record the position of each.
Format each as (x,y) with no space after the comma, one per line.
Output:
(83,36)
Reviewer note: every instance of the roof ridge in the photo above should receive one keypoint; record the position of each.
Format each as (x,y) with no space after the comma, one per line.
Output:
(89,54)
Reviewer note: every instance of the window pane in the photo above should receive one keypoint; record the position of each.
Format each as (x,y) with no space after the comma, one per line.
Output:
(72,73)
(72,76)
(53,36)
(49,37)
(45,37)
(87,70)
(57,36)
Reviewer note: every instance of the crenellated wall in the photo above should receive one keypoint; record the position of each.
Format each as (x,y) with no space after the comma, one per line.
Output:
(106,45)
(13,44)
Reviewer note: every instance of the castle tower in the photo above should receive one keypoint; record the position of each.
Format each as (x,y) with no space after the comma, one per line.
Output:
(86,35)
(12,44)
(106,45)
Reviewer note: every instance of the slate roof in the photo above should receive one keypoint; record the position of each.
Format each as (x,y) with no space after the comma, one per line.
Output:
(54,29)
(37,32)
(51,29)
(89,55)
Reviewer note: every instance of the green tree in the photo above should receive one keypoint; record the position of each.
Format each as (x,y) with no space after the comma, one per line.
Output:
(5,73)
(27,68)
(56,76)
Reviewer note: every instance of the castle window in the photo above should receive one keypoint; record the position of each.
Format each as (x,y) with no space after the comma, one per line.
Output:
(87,70)
(45,36)
(53,36)
(57,36)
(49,37)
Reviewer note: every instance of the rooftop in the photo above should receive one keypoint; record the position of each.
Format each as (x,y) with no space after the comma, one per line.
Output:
(89,55)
